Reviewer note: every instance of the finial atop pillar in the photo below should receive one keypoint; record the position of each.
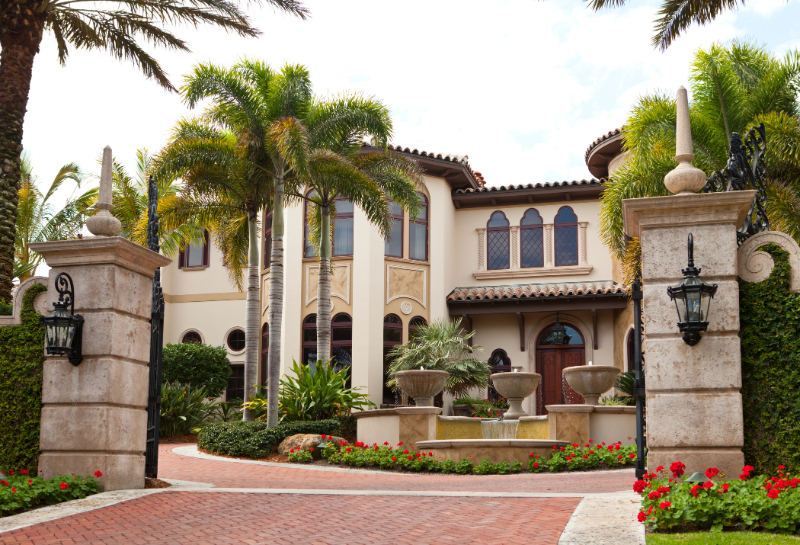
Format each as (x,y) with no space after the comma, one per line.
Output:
(103,224)
(685,179)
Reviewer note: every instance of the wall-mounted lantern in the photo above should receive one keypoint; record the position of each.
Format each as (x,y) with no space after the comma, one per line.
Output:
(63,328)
(692,300)
(558,332)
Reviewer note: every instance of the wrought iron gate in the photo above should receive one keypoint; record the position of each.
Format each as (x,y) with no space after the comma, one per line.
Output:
(638,383)
(156,340)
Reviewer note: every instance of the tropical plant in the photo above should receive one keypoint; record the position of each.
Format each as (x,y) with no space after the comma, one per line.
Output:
(442,346)
(232,169)
(38,220)
(318,393)
(228,411)
(733,88)
(119,28)
(183,409)
(196,365)
(338,167)
(131,206)
(675,16)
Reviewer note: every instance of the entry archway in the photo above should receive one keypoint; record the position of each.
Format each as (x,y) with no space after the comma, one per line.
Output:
(551,360)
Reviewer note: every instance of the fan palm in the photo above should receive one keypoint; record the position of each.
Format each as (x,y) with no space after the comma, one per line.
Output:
(117,26)
(733,88)
(675,16)
(230,164)
(38,220)
(338,167)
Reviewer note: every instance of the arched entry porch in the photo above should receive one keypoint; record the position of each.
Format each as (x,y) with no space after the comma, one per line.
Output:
(554,353)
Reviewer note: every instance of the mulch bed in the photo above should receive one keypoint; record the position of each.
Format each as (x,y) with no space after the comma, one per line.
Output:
(178,439)
(155,483)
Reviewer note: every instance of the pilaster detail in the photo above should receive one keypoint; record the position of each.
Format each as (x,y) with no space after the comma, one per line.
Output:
(481,248)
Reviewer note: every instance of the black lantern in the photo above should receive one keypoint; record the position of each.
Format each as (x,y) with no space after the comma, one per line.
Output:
(692,300)
(63,327)
(558,332)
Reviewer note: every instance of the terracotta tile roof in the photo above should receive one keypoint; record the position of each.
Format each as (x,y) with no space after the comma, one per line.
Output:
(512,187)
(462,160)
(610,134)
(530,291)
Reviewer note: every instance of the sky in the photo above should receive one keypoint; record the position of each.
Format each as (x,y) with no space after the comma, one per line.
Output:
(522,87)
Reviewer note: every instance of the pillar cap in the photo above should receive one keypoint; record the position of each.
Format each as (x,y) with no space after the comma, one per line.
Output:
(101,250)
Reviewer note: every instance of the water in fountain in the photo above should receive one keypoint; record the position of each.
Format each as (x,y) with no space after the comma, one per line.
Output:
(499,429)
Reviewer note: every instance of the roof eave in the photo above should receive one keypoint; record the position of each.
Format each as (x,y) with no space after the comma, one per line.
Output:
(528,195)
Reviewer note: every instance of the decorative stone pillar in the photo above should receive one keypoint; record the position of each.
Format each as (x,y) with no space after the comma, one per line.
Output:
(94,414)
(548,246)
(481,248)
(515,247)
(582,238)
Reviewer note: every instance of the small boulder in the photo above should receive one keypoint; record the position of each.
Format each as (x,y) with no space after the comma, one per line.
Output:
(307,441)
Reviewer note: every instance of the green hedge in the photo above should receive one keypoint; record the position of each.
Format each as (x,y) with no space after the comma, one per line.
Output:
(198,365)
(770,334)
(255,439)
(21,359)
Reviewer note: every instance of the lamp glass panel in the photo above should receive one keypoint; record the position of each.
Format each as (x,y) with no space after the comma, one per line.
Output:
(59,331)
(705,305)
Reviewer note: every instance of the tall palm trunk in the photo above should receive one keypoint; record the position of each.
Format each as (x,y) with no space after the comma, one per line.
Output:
(275,305)
(251,319)
(324,306)
(22,30)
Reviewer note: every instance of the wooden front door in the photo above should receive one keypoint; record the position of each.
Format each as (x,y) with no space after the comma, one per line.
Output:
(551,360)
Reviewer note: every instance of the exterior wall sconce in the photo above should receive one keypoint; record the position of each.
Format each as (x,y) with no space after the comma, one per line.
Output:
(692,300)
(559,332)
(64,329)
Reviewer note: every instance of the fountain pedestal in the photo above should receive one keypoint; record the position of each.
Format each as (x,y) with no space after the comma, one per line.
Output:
(515,387)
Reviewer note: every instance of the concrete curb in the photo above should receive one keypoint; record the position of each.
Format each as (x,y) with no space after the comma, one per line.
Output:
(605,519)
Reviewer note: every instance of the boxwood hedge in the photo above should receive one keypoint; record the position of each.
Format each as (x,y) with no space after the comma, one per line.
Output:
(255,439)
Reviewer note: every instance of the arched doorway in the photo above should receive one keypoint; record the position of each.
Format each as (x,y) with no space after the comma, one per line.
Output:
(499,362)
(553,355)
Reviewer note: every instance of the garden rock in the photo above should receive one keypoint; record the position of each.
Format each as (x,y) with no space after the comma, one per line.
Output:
(306,441)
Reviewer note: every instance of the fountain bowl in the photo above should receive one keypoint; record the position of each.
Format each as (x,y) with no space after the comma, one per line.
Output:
(591,381)
(422,384)
(515,387)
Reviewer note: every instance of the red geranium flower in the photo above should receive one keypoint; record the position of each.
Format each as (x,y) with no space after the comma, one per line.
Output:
(323,436)
(555,447)
(348,449)
(530,455)
(695,490)
(712,472)
(405,451)
(64,486)
(677,469)
(591,452)
(394,459)
(774,493)
(410,457)
(639,486)
(663,489)
(13,490)
(535,464)
(585,456)
(708,484)
(633,455)
(641,516)
(619,457)
(665,505)
(659,469)
(653,495)
(724,488)
(386,443)
(25,471)
(574,445)
(98,474)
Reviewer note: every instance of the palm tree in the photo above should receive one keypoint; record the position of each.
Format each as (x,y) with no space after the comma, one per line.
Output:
(131,203)
(117,26)
(38,220)
(339,168)
(675,16)
(733,88)
(232,169)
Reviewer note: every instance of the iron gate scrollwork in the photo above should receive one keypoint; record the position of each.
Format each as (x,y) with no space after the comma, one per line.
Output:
(156,340)
(638,383)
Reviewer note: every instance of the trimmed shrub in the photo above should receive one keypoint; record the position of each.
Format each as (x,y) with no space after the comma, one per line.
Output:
(5,308)
(21,359)
(770,332)
(256,439)
(183,408)
(197,365)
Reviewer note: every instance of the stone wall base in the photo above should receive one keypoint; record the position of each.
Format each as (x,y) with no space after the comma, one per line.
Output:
(120,471)
(729,461)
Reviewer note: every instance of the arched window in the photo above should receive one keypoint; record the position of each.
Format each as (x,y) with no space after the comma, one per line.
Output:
(308,249)
(343,228)
(264,353)
(418,232)
(532,239)
(566,237)
(267,238)
(394,246)
(192,337)
(310,340)
(415,324)
(392,336)
(499,362)
(498,243)
(342,343)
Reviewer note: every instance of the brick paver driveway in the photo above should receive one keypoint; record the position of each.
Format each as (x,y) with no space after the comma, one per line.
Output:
(235,517)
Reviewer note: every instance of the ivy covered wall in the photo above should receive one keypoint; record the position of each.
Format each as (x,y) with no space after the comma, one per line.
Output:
(770,334)
(21,359)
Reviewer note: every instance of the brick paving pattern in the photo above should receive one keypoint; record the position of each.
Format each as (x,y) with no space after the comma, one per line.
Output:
(223,518)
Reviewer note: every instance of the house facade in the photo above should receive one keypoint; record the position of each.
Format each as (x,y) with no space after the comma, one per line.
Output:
(509,261)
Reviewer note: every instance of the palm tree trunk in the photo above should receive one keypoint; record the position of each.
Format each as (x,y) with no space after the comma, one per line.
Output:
(275,305)
(251,319)
(324,306)
(21,30)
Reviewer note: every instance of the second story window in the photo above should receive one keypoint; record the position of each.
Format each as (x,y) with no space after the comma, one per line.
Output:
(532,240)
(566,237)
(194,255)
(394,247)
(343,228)
(308,249)
(498,242)
(267,239)
(418,232)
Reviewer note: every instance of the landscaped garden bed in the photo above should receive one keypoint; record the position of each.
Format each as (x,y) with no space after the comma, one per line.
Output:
(20,491)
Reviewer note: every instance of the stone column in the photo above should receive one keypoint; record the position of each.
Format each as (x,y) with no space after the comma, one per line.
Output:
(548,246)
(94,414)
(582,238)
(481,248)
(514,247)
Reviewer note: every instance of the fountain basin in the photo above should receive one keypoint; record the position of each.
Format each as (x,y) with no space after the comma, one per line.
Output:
(421,384)
(591,381)
(515,387)
(495,450)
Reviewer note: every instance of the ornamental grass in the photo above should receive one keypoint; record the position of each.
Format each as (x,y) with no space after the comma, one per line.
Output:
(20,491)
(751,502)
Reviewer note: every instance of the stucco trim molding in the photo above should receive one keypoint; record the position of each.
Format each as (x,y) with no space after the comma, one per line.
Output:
(755,266)
(395,290)
(572,270)
(190,330)
(335,292)
(205,297)
(39,304)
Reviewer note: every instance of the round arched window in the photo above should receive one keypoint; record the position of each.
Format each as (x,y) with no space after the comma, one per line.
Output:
(192,337)
(236,340)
